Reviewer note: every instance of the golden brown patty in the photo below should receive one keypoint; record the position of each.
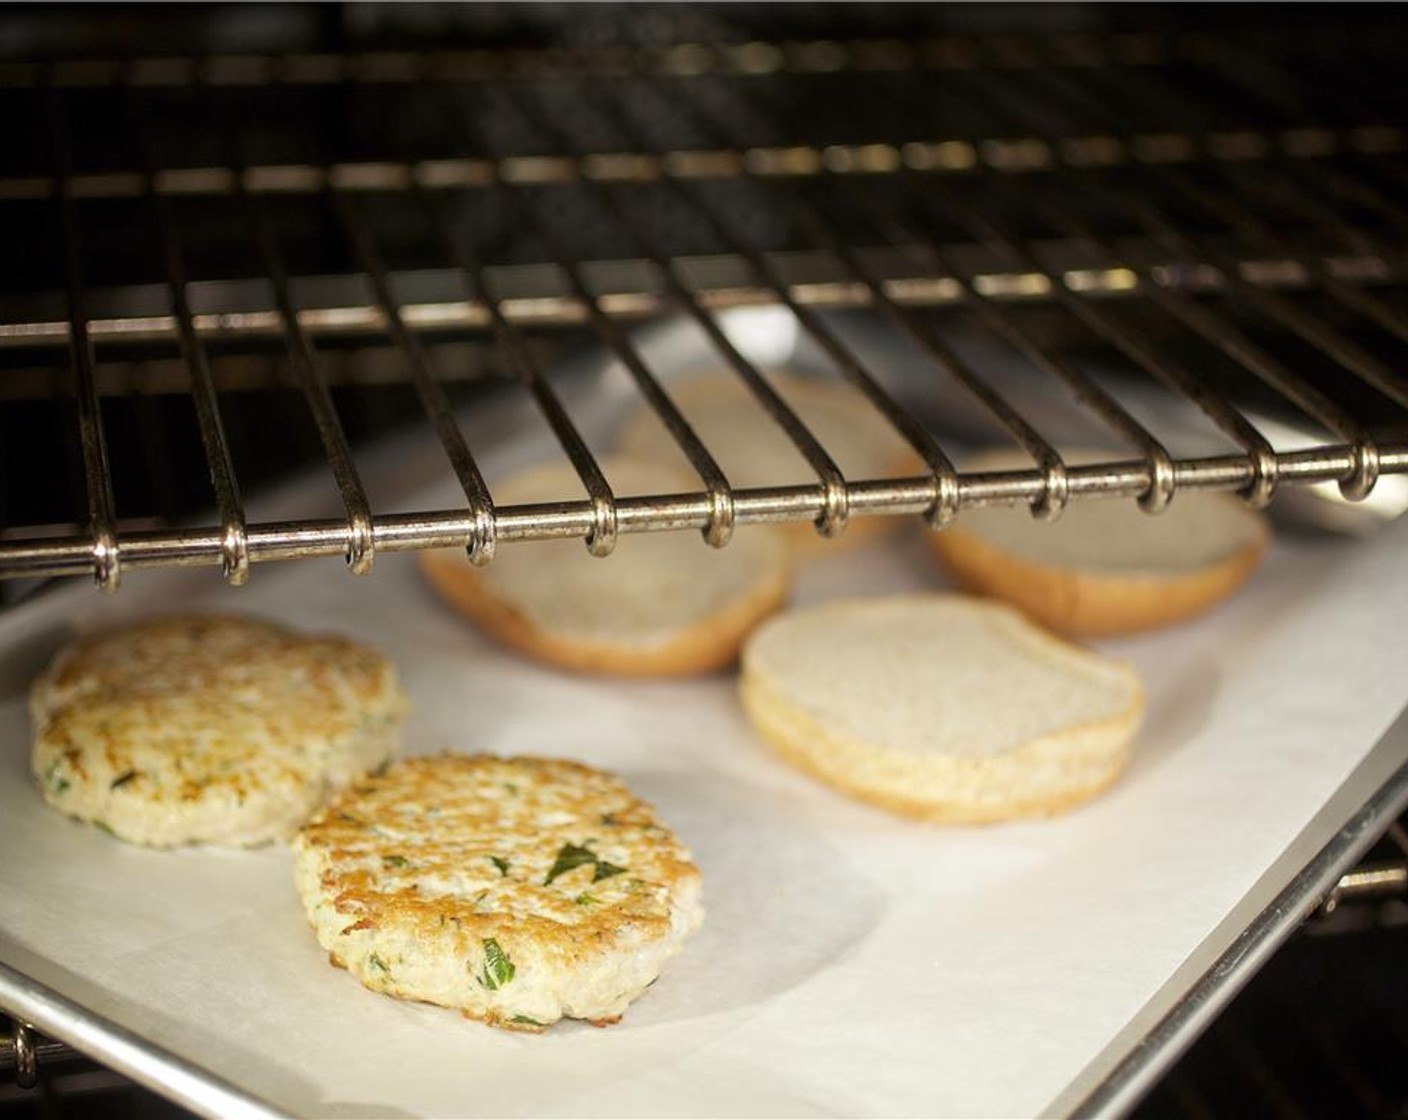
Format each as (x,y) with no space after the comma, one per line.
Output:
(208,729)
(517,890)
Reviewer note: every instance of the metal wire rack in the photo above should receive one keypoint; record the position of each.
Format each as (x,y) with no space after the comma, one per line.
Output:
(1234,231)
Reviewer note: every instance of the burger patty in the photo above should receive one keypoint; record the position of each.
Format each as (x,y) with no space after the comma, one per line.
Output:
(519,891)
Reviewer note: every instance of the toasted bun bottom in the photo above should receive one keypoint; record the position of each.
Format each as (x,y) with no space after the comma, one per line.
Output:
(705,647)
(1077,601)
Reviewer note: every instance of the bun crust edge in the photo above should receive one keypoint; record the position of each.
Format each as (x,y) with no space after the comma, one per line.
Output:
(705,647)
(1045,775)
(1080,601)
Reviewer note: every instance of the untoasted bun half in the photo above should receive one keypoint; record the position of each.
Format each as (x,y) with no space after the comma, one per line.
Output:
(940,707)
(1106,567)
(753,451)
(661,605)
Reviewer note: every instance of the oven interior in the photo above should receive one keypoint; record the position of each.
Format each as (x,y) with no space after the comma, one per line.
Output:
(244,242)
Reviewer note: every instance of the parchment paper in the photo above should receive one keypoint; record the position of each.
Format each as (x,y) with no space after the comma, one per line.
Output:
(851,963)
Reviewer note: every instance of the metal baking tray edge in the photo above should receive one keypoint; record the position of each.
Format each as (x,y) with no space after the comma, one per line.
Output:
(1354,817)
(119,1048)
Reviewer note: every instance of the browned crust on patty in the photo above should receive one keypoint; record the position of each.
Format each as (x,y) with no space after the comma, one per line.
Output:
(208,728)
(517,891)
(453,785)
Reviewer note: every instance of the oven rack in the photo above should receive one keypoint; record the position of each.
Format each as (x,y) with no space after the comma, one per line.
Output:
(980,180)
(742,57)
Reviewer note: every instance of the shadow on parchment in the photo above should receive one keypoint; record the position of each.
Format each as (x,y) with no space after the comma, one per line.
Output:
(782,903)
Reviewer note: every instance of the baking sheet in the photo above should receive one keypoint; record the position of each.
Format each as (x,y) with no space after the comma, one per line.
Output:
(850,964)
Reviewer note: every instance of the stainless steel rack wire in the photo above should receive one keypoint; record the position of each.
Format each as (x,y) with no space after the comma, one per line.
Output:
(1235,231)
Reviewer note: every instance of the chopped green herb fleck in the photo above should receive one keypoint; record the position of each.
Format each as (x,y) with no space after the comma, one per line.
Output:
(605,870)
(513,789)
(585,899)
(395,861)
(380,771)
(527,1021)
(500,863)
(54,777)
(573,856)
(122,779)
(498,969)
(347,818)
(608,819)
(103,826)
(569,858)
(380,965)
